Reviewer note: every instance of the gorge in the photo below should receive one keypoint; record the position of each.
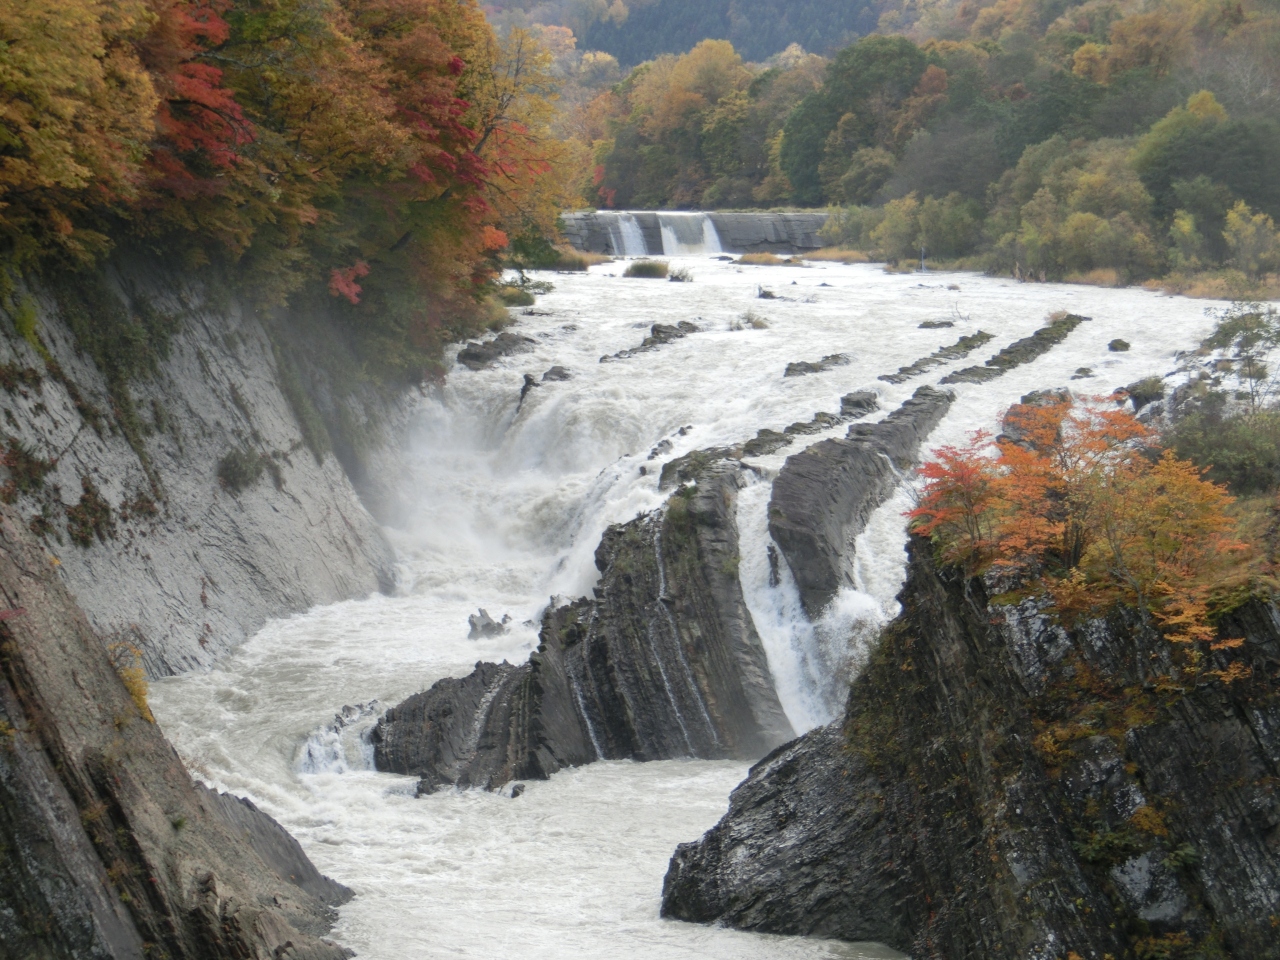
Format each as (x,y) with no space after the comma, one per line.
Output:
(513,500)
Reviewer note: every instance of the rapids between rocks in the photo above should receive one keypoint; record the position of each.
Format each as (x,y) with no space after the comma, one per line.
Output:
(512,499)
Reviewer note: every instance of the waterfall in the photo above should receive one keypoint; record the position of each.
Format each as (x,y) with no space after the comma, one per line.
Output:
(688,235)
(625,235)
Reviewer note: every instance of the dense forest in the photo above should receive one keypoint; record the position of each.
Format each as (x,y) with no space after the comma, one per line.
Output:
(382,152)
(1044,138)
(634,31)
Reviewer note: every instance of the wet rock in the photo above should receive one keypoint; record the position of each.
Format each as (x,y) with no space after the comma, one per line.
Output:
(820,422)
(660,448)
(823,496)
(961,348)
(859,403)
(766,442)
(803,367)
(483,625)
(556,373)
(659,334)
(662,662)
(530,384)
(476,355)
(937,818)
(517,790)
(1118,346)
(937,324)
(1082,373)
(1019,352)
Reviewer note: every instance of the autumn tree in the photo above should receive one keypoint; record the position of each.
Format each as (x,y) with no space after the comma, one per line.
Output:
(1072,499)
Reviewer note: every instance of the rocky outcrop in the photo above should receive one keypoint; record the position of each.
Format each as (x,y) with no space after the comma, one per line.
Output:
(662,662)
(1019,352)
(659,335)
(956,351)
(824,495)
(477,355)
(748,232)
(1002,788)
(178,463)
(802,367)
(110,850)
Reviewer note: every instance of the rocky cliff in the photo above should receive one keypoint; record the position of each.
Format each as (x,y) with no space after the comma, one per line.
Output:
(107,847)
(824,495)
(179,466)
(662,662)
(1002,787)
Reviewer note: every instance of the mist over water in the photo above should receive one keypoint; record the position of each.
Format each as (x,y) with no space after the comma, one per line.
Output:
(510,502)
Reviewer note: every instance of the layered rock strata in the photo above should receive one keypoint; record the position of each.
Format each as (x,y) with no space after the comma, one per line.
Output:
(824,495)
(662,662)
(1001,788)
(110,849)
(1019,352)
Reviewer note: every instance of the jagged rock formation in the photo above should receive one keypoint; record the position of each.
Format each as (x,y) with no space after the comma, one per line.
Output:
(961,348)
(1001,789)
(176,462)
(109,849)
(801,368)
(663,662)
(659,334)
(1019,352)
(824,495)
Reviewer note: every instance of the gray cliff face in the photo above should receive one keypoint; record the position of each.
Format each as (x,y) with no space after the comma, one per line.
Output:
(750,232)
(110,850)
(178,494)
(1003,788)
(824,495)
(663,662)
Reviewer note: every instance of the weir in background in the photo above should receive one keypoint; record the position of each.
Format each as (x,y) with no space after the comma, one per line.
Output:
(647,233)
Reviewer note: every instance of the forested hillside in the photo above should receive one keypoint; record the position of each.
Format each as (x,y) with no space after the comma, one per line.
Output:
(637,30)
(1044,137)
(382,152)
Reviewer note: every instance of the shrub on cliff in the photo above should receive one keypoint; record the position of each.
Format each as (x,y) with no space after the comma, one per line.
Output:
(1076,498)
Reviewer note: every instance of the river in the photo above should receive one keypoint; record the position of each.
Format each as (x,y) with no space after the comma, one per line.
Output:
(510,505)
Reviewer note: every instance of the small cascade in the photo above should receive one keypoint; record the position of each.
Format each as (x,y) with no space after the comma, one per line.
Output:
(688,235)
(807,690)
(343,745)
(625,235)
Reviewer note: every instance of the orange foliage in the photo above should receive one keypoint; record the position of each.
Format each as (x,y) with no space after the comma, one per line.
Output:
(298,138)
(1075,499)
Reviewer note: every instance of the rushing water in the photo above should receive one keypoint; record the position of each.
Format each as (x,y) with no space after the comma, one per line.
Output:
(511,503)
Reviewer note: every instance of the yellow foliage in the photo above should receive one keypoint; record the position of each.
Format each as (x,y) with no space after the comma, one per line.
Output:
(126,658)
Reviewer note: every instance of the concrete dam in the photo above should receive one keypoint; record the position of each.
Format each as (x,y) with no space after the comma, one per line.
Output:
(648,233)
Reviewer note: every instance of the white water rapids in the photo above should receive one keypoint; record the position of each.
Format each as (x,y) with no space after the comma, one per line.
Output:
(510,508)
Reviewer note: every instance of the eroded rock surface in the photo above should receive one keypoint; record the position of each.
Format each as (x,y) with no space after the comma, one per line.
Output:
(110,849)
(1002,788)
(824,495)
(1019,352)
(662,662)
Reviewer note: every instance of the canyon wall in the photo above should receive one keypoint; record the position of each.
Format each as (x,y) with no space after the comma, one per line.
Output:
(110,850)
(180,468)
